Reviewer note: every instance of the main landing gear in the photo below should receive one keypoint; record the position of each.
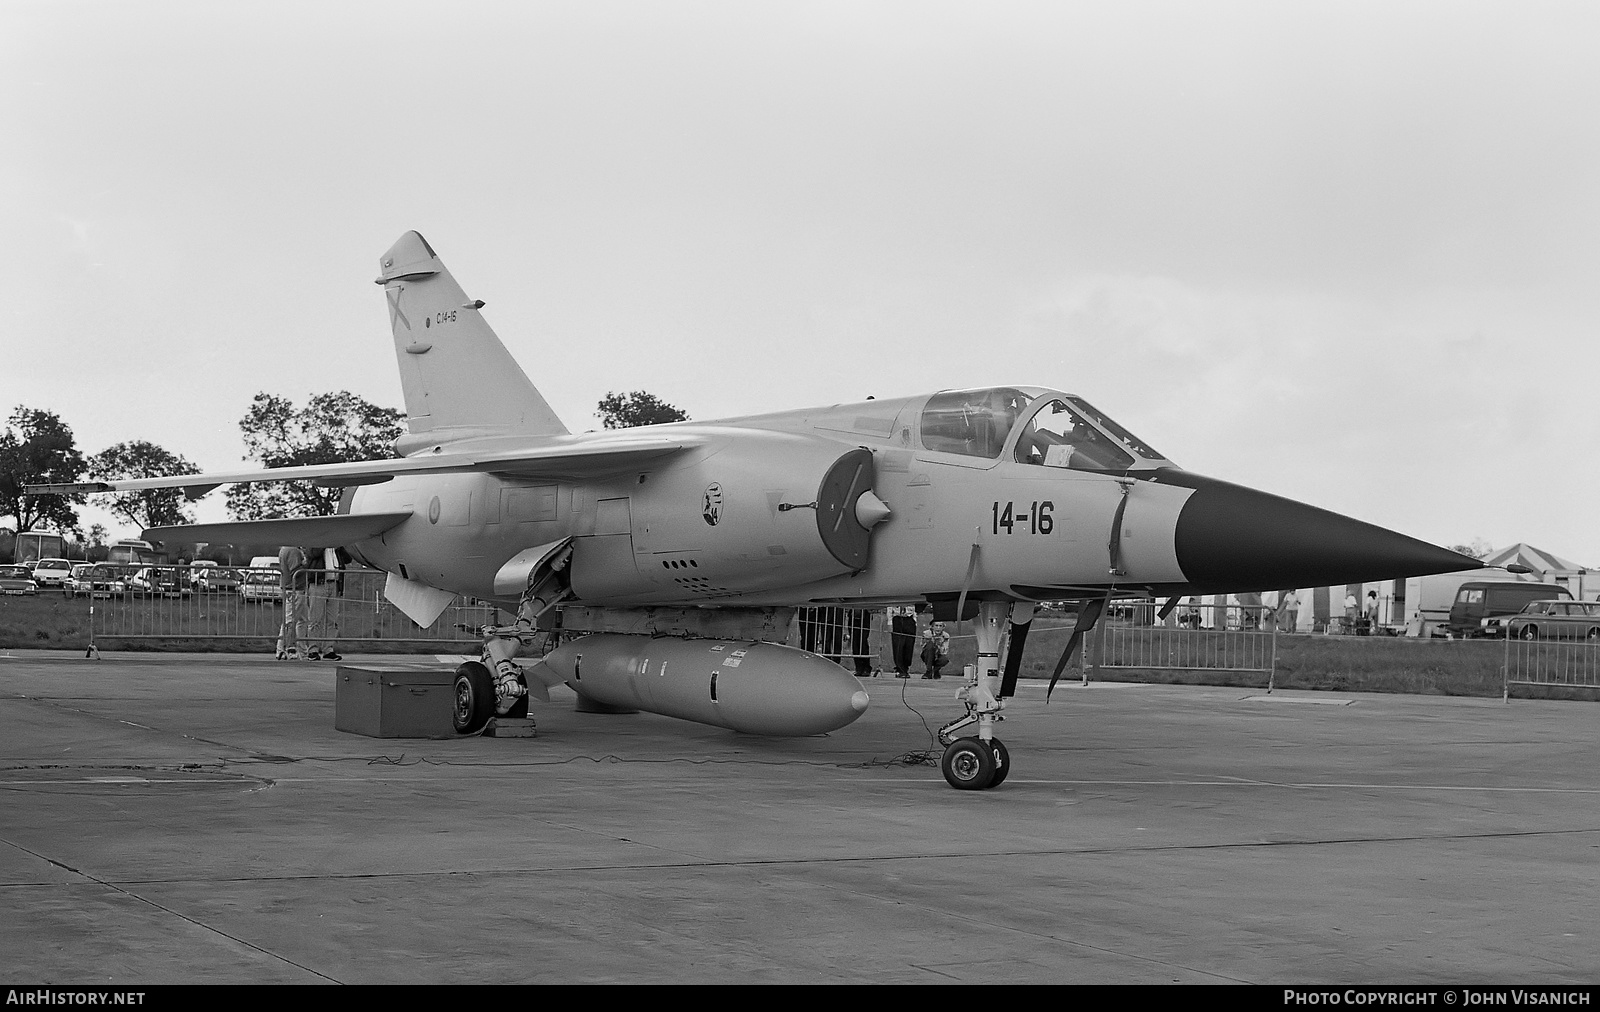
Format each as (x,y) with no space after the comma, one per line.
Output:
(496,685)
(473,694)
(976,763)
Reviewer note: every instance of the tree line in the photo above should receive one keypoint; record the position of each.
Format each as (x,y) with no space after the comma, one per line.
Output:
(37,447)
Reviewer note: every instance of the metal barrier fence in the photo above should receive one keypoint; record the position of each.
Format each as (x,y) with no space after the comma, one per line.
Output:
(145,603)
(845,635)
(1131,637)
(198,603)
(1193,638)
(1568,662)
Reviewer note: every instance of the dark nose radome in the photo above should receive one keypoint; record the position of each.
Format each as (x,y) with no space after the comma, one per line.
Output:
(1232,538)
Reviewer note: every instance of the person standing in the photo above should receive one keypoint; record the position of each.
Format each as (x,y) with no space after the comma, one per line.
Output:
(1289,611)
(860,625)
(902,638)
(292,580)
(324,584)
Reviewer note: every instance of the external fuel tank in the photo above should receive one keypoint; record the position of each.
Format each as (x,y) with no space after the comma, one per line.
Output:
(743,685)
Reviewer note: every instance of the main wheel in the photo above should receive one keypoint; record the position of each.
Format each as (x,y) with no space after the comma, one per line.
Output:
(474,698)
(1002,762)
(968,765)
(1530,632)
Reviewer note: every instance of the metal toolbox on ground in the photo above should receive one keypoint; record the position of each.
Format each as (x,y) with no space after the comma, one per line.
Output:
(394,702)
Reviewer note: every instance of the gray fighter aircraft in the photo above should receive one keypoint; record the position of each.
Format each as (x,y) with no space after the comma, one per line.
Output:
(673,556)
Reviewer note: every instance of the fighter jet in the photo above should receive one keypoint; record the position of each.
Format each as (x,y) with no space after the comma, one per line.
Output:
(672,557)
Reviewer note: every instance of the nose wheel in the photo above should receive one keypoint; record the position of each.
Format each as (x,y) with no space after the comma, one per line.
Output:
(972,764)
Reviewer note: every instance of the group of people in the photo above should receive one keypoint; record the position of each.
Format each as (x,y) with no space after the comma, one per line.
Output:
(903,637)
(311,578)
(1362,618)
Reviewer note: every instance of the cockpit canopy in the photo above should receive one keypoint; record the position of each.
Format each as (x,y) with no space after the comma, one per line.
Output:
(1033,426)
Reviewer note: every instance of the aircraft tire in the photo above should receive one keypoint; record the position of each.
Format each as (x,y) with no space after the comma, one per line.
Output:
(473,692)
(1002,762)
(967,765)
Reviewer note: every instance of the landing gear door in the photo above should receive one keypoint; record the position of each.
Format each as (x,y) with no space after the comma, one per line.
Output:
(523,569)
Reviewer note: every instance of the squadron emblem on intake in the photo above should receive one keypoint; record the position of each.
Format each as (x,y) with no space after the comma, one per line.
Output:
(711,508)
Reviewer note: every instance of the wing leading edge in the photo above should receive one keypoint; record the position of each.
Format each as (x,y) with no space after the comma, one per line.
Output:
(577,459)
(343,529)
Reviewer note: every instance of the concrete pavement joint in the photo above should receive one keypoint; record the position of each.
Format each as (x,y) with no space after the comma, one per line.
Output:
(119,890)
(991,926)
(48,701)
(708,863)
(1246,782)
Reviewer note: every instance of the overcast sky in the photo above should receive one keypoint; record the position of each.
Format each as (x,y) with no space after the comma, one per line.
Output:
(1344,252)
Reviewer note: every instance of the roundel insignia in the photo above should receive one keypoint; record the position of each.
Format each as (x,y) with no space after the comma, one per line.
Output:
(433,511)
(711,507)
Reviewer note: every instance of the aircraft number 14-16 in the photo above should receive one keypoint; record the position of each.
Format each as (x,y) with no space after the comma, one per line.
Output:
(1037,520)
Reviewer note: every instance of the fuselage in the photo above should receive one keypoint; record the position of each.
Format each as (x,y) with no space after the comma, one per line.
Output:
(1017,492)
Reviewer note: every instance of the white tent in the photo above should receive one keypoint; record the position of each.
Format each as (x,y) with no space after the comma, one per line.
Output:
(1580,582)
(1541,563)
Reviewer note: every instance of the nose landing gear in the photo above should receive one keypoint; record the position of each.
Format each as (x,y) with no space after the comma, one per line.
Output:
(972,764)
(980,762)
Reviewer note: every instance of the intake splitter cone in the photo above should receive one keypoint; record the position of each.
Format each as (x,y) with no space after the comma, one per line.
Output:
(1230,538)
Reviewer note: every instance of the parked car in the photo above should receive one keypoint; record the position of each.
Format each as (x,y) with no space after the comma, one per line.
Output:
(217,580)
(106,580)
(1479,601)
(155,580)
(261,588)
(15,580)
(79,582)
(52,574)
(1556,620)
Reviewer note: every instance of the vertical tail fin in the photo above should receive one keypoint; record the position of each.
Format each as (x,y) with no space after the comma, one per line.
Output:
(457,378)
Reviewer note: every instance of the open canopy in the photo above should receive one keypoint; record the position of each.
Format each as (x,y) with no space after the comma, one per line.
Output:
(1032,426)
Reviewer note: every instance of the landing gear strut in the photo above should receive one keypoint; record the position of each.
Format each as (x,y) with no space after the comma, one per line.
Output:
(547,586)
(978,763)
